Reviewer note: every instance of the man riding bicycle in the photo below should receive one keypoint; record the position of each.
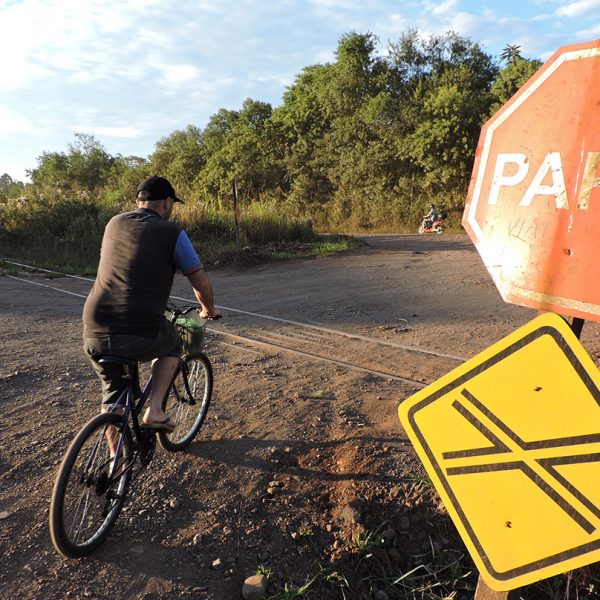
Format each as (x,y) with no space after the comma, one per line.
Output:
(124,312)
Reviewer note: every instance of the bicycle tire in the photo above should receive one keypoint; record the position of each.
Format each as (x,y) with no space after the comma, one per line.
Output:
(188,413)
(84,486)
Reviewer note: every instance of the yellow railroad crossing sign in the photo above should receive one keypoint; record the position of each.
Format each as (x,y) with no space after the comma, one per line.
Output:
(511,441)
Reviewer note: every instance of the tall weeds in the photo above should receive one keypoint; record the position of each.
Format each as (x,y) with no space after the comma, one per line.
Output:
(67,233)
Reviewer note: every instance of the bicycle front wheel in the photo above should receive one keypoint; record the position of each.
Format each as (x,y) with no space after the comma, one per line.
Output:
(187,402)
(91,486)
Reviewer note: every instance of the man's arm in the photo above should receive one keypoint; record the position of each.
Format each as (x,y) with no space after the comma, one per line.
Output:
(204,293)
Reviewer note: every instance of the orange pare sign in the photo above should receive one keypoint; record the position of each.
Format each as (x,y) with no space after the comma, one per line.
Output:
(533,205)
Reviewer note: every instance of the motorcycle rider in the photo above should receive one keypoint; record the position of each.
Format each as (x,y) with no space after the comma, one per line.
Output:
(431,217)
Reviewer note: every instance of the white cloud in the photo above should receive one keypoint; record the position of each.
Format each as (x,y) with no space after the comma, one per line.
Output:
(178,75)
(442,8)
(393,25)
(578,8)
(13,122)
(132,71)
(41,38)
(328,5)
(327,56)
(345,13)
(465,23)
(589,34)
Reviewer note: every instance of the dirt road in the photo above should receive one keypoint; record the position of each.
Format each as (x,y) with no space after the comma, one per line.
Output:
(302,457)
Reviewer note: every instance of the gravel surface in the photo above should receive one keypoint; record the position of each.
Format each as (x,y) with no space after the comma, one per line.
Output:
(301,472)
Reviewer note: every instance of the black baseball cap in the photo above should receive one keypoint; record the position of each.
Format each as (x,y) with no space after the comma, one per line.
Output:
(158,188)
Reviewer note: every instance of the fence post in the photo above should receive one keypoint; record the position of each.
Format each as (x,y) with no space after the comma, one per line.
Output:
(236,216)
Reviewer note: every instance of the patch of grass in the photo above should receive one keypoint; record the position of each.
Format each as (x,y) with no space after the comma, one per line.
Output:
(306,532)
(8,269)
(265,572)
(367,542)
(441,575)
(320,245)
(62,234)
(291,592)
(331,245)
(442,578)
(339,582)
(261,224)
(582,584)
(333,580)
(420,480)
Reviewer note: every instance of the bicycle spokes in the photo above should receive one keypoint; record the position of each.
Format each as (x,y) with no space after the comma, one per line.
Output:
(188,402)
(91,485)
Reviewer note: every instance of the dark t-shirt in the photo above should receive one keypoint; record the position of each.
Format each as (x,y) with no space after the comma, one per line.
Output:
(135,275)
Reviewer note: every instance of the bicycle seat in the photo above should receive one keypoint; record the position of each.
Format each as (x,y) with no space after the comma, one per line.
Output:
(115,360)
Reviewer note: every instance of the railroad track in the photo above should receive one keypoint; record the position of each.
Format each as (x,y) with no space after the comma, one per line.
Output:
(314,342)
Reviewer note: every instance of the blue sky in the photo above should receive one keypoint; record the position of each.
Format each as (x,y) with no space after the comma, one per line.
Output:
(132,71)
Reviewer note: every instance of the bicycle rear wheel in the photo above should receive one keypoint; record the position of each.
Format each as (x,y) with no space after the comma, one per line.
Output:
(90,487)
(188,405)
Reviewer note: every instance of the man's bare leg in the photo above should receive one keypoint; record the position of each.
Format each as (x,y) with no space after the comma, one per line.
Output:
(163,371)
(112,433)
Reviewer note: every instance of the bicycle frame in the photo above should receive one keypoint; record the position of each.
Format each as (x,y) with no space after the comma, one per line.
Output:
(131,407)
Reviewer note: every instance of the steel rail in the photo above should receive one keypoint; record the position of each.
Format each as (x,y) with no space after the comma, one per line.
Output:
(352,336)
(255,342)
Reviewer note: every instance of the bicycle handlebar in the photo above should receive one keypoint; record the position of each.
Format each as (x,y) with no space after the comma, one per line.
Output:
(177,311)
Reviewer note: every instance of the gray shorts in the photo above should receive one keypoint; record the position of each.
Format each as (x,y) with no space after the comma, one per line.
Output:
(166,342)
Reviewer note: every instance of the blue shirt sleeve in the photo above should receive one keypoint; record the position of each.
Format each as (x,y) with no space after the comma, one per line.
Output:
(185,257)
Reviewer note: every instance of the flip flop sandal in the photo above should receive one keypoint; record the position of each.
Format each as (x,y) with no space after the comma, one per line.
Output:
(166,424)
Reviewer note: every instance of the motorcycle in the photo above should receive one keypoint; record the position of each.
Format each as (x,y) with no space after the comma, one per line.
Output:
(435,227)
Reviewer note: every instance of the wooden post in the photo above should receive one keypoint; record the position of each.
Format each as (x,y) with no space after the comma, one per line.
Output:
(576,325)
(236,216)
(484,592)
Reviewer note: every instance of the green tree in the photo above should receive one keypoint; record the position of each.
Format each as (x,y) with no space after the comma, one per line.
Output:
(445,87)
(125,175)
(363,164)
(180,157)
(300,124)
(366,139)
(52,172)
(89,163)
(511,78)
(10,188)
(84,169)
(332,119)
(417,59)
(240,146)
(510,52)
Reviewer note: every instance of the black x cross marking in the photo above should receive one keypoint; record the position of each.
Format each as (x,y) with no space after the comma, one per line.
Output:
(530,464)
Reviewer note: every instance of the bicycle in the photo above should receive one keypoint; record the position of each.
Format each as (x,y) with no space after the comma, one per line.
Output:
(113,448)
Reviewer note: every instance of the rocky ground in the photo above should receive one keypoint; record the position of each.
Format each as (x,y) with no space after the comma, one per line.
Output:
(301,473)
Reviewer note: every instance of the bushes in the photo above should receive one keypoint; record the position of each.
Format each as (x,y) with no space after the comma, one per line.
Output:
(63,233)
(66,233)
